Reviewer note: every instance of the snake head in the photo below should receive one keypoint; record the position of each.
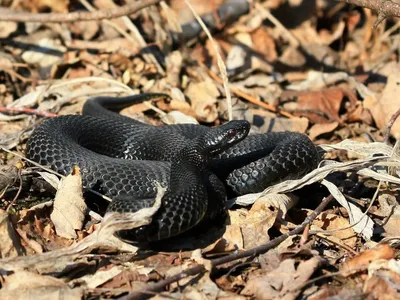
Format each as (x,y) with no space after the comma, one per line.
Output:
(222,137)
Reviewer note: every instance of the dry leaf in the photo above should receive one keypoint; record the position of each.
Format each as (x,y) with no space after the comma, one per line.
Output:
(383,108)
(360,223)
(26,285)
(203,97)
(364,259)
(10,244)
(7,28)
(319,106)
(283,282)
(50,55)
(69,207)
(334,222)
(321,128)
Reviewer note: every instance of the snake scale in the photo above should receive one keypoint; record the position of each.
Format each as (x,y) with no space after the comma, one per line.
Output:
(122,157)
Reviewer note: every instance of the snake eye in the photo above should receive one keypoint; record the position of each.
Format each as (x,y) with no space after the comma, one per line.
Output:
(231,133)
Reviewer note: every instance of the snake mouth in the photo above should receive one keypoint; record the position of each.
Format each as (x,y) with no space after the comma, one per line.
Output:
(229,134)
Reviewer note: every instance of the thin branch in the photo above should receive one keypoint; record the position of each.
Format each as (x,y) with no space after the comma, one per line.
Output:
(115,12)
(26,110)
(390,125)
(232,257)
(384,8)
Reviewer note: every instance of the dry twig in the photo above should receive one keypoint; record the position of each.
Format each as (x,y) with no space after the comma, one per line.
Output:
(7,15)
(384,8)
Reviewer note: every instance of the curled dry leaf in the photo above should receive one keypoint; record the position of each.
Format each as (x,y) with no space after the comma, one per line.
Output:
(319,106)
(51,56)
(283,282)
(7,28)
(360,223)
(69,206)
(364,259)
(333,222)
(177,117)
(10,244)
(321,128)
(384,282)
(203,97)
(382,109)
(28,285)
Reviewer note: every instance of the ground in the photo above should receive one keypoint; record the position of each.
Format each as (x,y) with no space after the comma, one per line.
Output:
(324,68)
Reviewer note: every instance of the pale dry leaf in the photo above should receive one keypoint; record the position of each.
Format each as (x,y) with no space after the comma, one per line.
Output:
(334,222)
(383,109)
(46,57)
(321,128)
(30,99)
(283,202)
(28,285)
(361,223)
(360,148)
(203,96)
(177,117)
(284,281)
(379,176)
(69,207)
(51,179)
(104,236)
(260,219)
(92,281)
(7,28)
(10,244)
(319,174)
(364,259)
(231,240)
(391,264)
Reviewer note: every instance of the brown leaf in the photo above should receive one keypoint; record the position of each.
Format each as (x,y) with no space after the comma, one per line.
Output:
(383,108)
(27,285)
(10,244)
(328,221)
(284,281)
(363,260)
(319,106)
(203,97)
(69,207)
(264,44)
(321,128)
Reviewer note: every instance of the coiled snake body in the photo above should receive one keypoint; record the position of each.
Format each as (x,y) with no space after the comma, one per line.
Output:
(121,158)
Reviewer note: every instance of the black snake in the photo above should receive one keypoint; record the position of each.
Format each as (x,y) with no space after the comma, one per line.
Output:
(121,158)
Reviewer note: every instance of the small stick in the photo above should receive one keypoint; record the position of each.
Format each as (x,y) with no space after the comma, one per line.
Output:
(389,126)
(27,110)
(129,9)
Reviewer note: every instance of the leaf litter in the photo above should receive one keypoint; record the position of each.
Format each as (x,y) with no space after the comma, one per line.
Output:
(314,67)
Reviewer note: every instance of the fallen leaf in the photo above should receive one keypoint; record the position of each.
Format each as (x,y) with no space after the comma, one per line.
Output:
(319,106)
(203,98)
(334,222)
(364,259)
(321,128)
(51,54)
(383,108)
(10,244)
(284,281)
(69,206)
(27,285)
(264,44)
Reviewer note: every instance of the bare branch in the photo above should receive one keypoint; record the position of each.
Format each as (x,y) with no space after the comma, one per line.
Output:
(7,15)
(384,8)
